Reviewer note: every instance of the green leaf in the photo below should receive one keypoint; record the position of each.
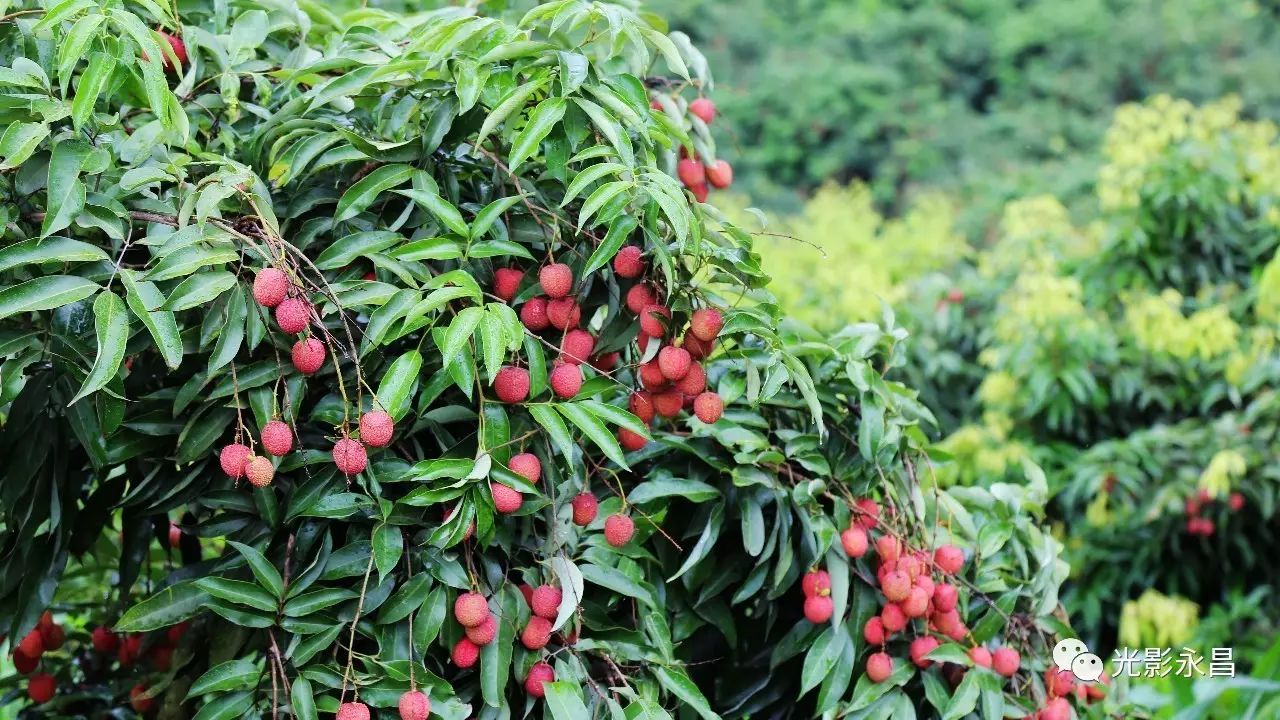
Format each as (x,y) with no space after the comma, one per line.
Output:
(361,195)
(691,490)
(226,707)
(397,383)
(230,675)
(199,289)
(66,193)
(490,214)
(493,343)
(495,658)
(71,50)
(610,128)
(677,682)
(19,141)
(460,332)
(239,592)
(513,102)
(167,607)
(92,82)
(346,249)
(965,698)
(265,573)
(310,602)
(187,260)
(564,700)
(44,293)
(441,208)
(546,417)
(590,425)
(592,174)
(601,197)
(617,581)
(388,545)
(49,250)
(619,231)
(541,121)
(822,656)
(111,326)
(303,700)
(162,324)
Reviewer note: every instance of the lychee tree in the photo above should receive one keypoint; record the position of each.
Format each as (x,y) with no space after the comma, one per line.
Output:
(380,363)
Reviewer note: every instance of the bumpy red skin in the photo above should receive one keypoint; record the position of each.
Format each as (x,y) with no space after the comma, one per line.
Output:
(585,508)
(506,281)
(414,705)
(270,287)
(470,609)
(879,667)
(708,407)
(308,355)
(41,688)
(704,109)
(505,500)
(706,324)
(350,456)
(546,601)
(465,653)
(556,280)
(719,174)
(485,632)
(618,530)
(818,609)
(538,674)
(376,428)
(512,384)
(277,438)
(629,262)
(233,459)
(565,380)
(536,634)
(576,346)
(1006,661)
(527,466)
(353,711)
(293,315)
(534,314)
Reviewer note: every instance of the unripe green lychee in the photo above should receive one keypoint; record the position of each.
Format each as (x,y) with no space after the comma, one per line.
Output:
(618,530)
(270,287)
(536,634)
(527,466)
(556,279)
(585,507)
(465,653)
(414,705)
(708,407)
(308,355)
(534,314)
(538,674)
(470,609)
(546,601)
(277,438)
(879,667)
(511,384)
(818,609)
(629,262)
(506,500)
(259,471)
(232,458)
(506,281)
(376,428)
(565,380)
(293,315)
(350,456)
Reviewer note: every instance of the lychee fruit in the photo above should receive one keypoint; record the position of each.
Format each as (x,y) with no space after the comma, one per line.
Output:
(1235,502)
(879,667)
(536,634)
(873,631)
(605,362)
(649,321)
(949,559)
(925,583)
(1055,709)
(270,287)
(630,441)
(175,632)
(556,279)
(668,404)
(534,314)
(868,513)
(538,674)
(414,705)
(465,653)
(980,656)
(704,109)
(512,384)
(888,548)
(708,407)
(691,172)
(350,456)
(618,530)
(485,632)
(585,507)
(175,535)
(945,597)
(277,438)
(694,381)
(818,609)
(639,297)
(920,648)
(179,51)
(719,174)
(293,315)
(526,590)
(564,313)
(308,355)
(505,500)
(673,362)
(104,641)
(651,376)
(700,192)
(916,603)
(470,609)
(352,711)
(1006,661)
(629,262)
(896,586)
(53,637)
(260,471)
(41,687)
(816,582)
(232,458)
(641,405)
(527,466)
(576,346)
(893,619)
(697,347)
(546,601)
(376,428)
(1058,683)
(506,281)
(23,664)
(139,701)
(854,541)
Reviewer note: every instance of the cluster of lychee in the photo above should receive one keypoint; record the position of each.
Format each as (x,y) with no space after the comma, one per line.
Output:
(672,380)
(1060,685)
(906,578)
(699,177)
(1202,526)
(413,705)
(471,610)
(47,636)
(129,649)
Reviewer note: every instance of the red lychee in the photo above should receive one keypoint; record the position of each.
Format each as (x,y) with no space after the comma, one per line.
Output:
(605,362)
(511,384)
(868,513)
(691,172)
(175,535)
(879,667)
(308,355)
(945,597)
(668,404)
(649,321)
(720,174)
(506,281)
(534,314)
(414,705)
(277,438)
(546,601)
(270,287)
(708,407)
(293,315)
(697,347)
(259,471)
(350,456)
(465,653)
(896,586)
(376,428)
(694,381)
(651,376)
(536,634)
(700,192)
(179,51)
(233,458)
(639,297)
(585,507)
(538,674)
(1235,502)
(23,664)
(41,687)
(920,648)
(505,500)
(873,631)
(893,619)
(470,609)
(576,346)
(631,441)
(629,262)
(139,701)
(641,405)
(352,711)
(1006,661)
(485,632)
(949,559)
(818,609)
(888,548)
(104,641)
(980,656)
(816,582)
(1058,683)
(618,530)
(916,603)
(564,313)
(556,279)
(854,541)
(704,109)
(673,362)
(1055,709)
(527,466)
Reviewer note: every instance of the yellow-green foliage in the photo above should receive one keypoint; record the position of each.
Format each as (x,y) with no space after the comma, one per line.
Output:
(1158,326)
(1036,234)
(833,263)
(1159,621)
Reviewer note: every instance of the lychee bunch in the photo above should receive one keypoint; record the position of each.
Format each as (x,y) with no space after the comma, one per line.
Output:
(818,606)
